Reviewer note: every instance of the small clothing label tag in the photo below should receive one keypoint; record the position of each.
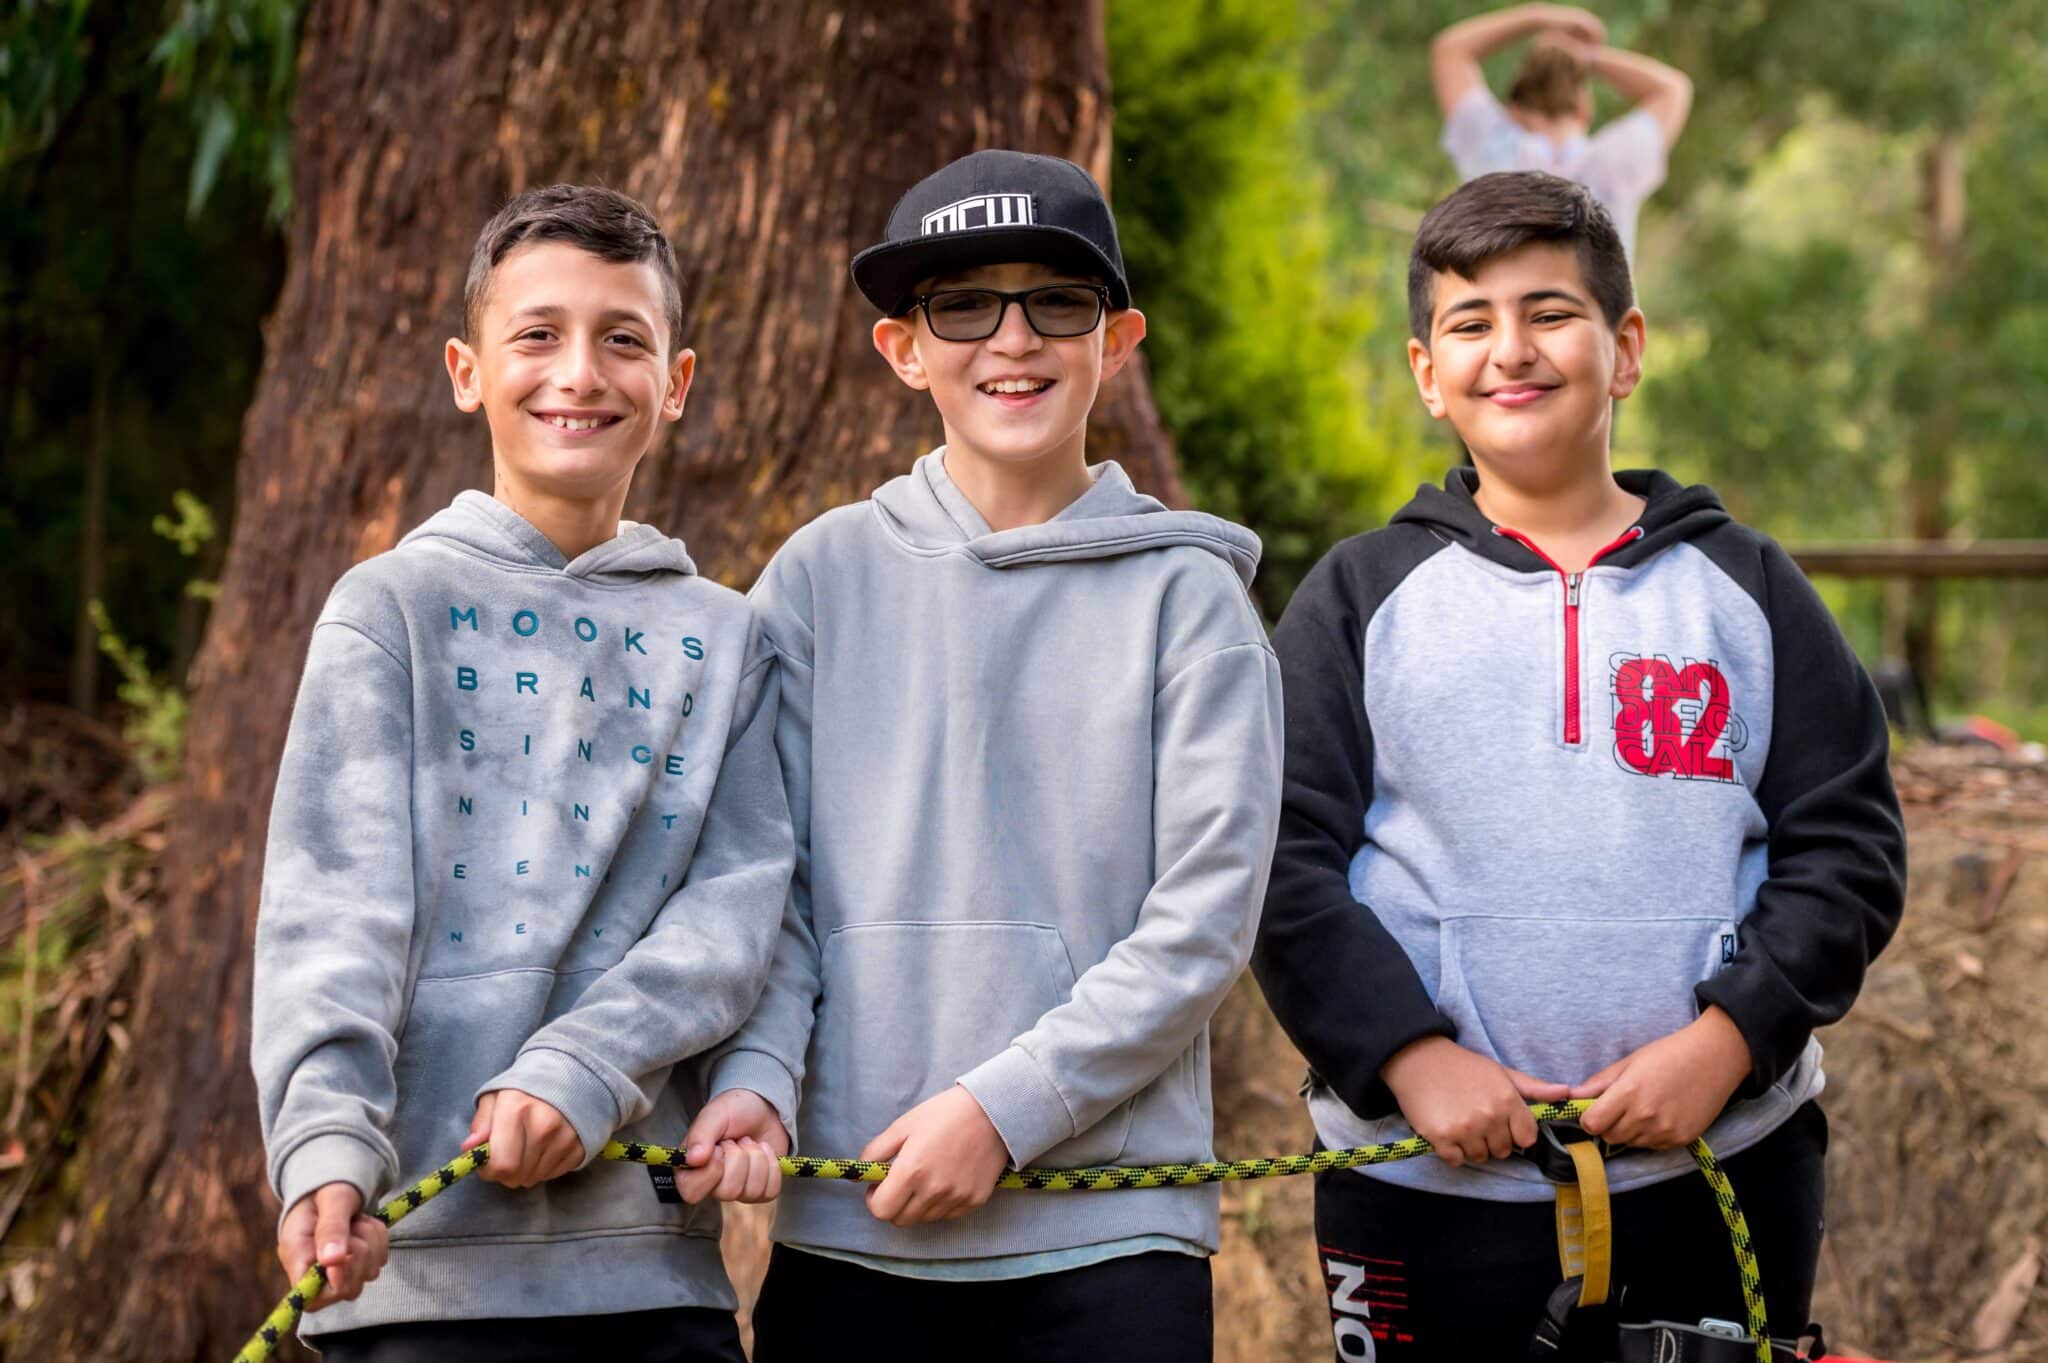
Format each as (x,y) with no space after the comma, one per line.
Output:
(664,1179)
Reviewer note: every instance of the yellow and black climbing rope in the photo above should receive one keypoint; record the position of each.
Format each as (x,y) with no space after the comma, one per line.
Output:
(1110,1178)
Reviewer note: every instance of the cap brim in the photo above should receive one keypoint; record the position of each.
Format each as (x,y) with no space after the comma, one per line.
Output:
(887,274)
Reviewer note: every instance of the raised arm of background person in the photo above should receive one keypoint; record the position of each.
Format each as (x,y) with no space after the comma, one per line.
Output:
(1216,793)
(766,1054)
(1455,53)
(1342,987)
(1836,882)
(1663,92)
(334,928)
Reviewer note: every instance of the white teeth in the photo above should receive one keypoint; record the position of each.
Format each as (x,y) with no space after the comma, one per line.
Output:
(1016,386)
(575,423)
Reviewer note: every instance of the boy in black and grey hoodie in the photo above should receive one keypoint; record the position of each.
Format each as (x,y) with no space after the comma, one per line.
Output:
(528,853)
(1586,796)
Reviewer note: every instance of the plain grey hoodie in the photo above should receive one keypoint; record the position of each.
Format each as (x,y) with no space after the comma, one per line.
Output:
(1035,777)
(529,833)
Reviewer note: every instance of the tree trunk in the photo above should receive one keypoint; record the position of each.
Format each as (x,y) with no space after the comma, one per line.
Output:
(1936,419)
(92,536)
(771,139)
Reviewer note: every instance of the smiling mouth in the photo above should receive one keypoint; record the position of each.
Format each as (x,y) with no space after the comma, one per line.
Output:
(575,423)
(1014,388)
(1519,396)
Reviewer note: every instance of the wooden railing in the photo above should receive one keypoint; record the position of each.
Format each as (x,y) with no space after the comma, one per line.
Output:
(1925,558)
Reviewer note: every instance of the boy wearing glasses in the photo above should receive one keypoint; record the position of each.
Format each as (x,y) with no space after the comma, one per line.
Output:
(1031,734)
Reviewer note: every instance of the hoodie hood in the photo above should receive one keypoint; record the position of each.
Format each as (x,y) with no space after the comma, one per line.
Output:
(928,513)
(482,523)
(1673,512)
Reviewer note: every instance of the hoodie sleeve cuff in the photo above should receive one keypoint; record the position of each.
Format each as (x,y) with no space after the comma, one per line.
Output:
(332,1158)
(1775,1034)
(758,1072)
(1021,1103)
(563,1082)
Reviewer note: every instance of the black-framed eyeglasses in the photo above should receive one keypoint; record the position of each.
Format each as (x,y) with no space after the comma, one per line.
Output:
(1051,310)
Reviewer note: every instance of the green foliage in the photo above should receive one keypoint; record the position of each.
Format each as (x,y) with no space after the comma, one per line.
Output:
(156,708)
(1805,350)
(123,320)
(1257,323)
(232,61)
(42,72)
(224,66)
(191,532)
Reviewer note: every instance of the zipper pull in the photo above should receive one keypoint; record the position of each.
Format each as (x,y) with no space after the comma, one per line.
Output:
(1571,589)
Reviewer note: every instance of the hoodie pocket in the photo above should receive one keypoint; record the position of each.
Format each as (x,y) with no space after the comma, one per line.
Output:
(462,1032)
(1563,998)
(908,1008)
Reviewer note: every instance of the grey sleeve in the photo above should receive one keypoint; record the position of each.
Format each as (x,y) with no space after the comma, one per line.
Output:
(1217,743)
(692,978)
(335,921)
(766,1055)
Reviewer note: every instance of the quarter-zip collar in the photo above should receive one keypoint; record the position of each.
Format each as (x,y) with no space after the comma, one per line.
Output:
(1672,512)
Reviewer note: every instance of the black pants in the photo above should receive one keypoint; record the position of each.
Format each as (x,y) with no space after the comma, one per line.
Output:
(1417,1276)
(1147,1308)
(684,1334)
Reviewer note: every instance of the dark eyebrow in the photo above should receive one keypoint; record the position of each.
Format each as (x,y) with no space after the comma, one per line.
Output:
(549,312)
(1533,296)
(1469,305)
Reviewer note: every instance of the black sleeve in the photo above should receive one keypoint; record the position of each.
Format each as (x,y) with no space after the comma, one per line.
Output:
(1837,879)
(1342,988)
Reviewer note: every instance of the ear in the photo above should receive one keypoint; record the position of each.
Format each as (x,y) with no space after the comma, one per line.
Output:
(1629,339)
(462,375)
(896,339)
(1423,366)
(679,375)
(1120,337)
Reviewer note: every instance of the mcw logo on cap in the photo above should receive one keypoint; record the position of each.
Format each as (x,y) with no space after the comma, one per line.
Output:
(983,210)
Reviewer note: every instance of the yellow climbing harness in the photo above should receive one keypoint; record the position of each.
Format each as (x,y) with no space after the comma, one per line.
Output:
(285,1318)
(1585,1224)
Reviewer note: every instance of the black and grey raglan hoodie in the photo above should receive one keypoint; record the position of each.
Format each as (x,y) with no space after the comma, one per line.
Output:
(1556,815)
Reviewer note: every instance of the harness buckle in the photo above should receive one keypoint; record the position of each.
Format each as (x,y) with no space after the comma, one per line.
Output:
(1549,1153)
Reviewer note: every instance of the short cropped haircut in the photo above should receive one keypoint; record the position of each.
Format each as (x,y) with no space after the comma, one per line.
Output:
(1552,80)
(1503,212)
(604,222)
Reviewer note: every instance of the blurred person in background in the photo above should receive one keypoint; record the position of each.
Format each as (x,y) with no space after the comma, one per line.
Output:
(1546,123)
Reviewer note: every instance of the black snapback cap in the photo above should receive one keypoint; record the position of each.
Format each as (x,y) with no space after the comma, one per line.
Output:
(989,208)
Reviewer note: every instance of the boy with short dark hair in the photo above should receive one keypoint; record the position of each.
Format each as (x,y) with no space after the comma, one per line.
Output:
(1031,734)
(528,851)
(1586,797)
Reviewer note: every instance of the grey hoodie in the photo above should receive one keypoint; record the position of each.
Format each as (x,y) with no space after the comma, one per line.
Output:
(1035,780)
(528,833)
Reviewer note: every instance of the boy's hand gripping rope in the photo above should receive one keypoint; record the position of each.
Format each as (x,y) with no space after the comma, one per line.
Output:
(1108,1178)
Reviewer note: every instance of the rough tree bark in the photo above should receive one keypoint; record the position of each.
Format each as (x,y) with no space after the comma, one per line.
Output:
(771,139)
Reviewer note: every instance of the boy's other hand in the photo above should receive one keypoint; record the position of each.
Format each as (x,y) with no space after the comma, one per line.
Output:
(1666,1094)
(732,1149)
(531,1141)
(327,1224)
(945,1157)
(1468,1106)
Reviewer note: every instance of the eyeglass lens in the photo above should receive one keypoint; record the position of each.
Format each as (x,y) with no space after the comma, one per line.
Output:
(976,314)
